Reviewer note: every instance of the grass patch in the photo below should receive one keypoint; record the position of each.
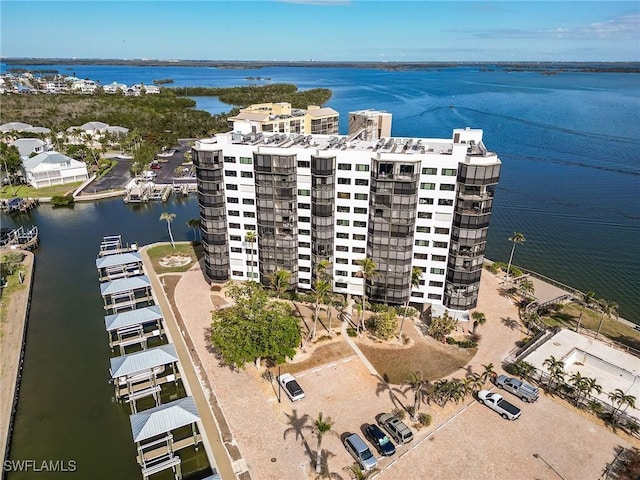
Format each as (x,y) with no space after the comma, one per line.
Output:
(568,317)
(321,355)
(25,191)
(159,252)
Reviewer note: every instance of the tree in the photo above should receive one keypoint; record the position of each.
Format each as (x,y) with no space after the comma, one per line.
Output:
(619,398)
(586,300)
(356,473)
(194,224)
(251,238)
(416,276)
(517,238)
(487,373)
(11,160)
(384,324)
(368,270)
(442,326)
(280,281)
(479,318)
(168,217)
(254,327)
(608,309)
(322,294)
(321,426)
(416,384)
(556,370)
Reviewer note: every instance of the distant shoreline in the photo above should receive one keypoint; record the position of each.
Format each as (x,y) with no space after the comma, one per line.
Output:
(541,67)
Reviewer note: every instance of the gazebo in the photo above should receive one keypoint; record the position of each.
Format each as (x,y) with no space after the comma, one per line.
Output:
(153,432)
(134,327)
(126,293)
(141,374)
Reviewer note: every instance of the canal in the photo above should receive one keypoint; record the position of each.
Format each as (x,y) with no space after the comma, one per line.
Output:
(66,409)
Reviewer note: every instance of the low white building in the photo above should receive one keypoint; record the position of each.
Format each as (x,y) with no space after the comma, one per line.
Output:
(53,168)
(28,146)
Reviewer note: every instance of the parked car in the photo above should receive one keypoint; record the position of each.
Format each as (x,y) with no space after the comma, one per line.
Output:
(155,166)
(526,392)
(379,440)
(360,452)
(291,386)
(495,402)
(395,427)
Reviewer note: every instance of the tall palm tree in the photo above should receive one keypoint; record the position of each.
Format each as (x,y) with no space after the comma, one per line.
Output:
(194,224)
(586,300)
(321,426)
(322,294)
(251,238)
(517,238)
(416,384)
(416,276)
(608,309)
(368,270)
(556,369)
(479,318)
(487,373)
(620,398)
(321,269)
(280,281)
(168,217)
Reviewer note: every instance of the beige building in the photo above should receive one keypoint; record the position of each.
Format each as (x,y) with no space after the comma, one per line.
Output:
(369,124)
(282,118)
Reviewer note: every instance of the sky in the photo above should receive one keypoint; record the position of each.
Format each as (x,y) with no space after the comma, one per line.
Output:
(323,30)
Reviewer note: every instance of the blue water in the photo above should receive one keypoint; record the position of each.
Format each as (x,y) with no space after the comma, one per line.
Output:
(569,145)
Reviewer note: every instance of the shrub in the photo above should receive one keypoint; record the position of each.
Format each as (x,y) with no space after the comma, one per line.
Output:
(384,325)
(62,201)
(351,332)
(399,412)
(424,419)
(496,267)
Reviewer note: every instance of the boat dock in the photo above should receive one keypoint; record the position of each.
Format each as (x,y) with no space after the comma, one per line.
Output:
(21,237)
(145,368)
(18,205)
(143,192)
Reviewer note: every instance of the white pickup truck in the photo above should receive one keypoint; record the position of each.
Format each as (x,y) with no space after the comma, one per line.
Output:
(526,392)
(495,402)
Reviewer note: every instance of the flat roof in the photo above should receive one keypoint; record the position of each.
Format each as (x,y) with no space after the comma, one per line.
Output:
(163,419)
(142,361)
(124,284)
(139,316)
(118,259)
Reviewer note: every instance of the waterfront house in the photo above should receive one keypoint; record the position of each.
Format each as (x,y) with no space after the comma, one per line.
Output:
(115,87)
(53,168)
(29,146)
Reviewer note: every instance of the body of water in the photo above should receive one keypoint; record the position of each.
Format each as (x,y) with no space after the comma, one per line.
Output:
(570,180)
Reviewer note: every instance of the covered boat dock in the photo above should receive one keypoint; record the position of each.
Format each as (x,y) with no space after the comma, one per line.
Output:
(119,265)
(134,327)
(126,293)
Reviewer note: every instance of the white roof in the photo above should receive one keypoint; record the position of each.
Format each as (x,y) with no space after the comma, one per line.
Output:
(163,419)
(118,259)
(124,284)
(26,146)
(51,160)
(140,316)
(142,361)
(14,127)
(321,112)
(116,129)
(94,126)
(37,130)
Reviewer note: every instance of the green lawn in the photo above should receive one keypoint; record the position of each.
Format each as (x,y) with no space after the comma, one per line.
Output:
(26,191)
(156,254)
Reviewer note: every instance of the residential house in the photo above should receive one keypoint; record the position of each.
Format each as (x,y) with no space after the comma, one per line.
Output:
(53,168)
(29,146)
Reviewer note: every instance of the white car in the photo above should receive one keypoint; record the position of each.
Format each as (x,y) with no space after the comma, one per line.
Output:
(291,386)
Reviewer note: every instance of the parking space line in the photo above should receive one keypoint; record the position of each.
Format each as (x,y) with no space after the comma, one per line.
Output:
(316,370)
(346,360)
(392,463)
(417,445)
(403,454)
(331,365)
(441,425)
(301,375)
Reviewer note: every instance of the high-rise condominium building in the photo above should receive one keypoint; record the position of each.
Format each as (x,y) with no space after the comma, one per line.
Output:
(288,201)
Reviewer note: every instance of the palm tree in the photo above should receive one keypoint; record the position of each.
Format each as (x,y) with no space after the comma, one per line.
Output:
(280,281)
(356,473)
(587,299)
(488,372)
(322,294)
(479,318)
(169,218)
(517,238)
(321,269)
(416,383)
(620,398)
(251,238)
(556,369)
(608,309)
(194,224)
(416,276)
(320,427)
(369,269)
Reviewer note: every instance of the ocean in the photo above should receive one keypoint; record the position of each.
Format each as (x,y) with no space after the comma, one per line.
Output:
(569,144)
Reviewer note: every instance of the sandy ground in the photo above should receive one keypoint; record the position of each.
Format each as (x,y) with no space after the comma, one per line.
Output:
(14,315)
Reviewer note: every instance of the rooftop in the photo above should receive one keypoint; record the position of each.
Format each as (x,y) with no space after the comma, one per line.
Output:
(139,316)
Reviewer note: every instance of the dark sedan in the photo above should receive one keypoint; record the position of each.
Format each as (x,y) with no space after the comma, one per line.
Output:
(379,440)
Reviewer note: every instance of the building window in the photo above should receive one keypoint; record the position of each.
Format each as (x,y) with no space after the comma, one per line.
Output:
(234,213)
(246,174)
(435,296)
(304,281)
(341,285)
(343,223)
(232,200)
(445,202)
(358,236)
(304,232)
(437,271)
(234,225)
(433,283)
(304,164)
(237,273)
(344,209)
(304,269)
(344,166)
(447,187)
(230,173)
(235,238)
(421,256)
(358,250)
(423,229)
(246,160)
(229,159)
(236,249)
(248,201)
(438,258)
(440,244)
(250,228)
(422,243)
(344,195)
(304,206)
(425,201)
(304,244)
(342,235)
(417,294)
(424,215)
(304,193)
(249,215)
(357,223)
(342,273)
(362,167)
(359,210)
(342,248)
(304,257)
(361,196)
(429,171)
(231,186)
(450,172)
(441,231)
(344,181)
(304,219)
(427,186)
(362,182)
(343,261)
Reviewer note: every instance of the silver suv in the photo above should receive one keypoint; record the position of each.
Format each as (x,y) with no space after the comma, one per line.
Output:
(395,427)
(359,450)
